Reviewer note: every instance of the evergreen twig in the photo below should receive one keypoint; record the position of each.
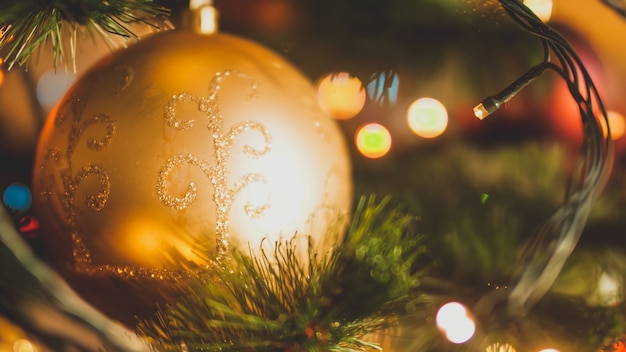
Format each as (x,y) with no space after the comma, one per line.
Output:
(282,301)
(26,26)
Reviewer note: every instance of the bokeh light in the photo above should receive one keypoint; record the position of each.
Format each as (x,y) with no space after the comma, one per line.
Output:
(609,290)
(52,86)
(17,197)
(454,321)
(23,345)
(341,95)
(550,350)
(383,87)
(617,124)
(1,72)
(28,226)
(373,140)
(427,117)
(541,8)
(497,347)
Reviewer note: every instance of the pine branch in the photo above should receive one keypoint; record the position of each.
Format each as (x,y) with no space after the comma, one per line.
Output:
(26,26)
(282,301)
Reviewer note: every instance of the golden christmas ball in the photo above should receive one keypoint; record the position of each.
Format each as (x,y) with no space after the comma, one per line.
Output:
(166,153)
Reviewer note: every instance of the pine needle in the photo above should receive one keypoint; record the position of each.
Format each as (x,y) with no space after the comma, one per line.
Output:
(25,26)
(283,301)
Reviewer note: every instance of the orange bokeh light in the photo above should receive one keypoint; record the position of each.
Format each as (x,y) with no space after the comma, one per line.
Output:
(341,95)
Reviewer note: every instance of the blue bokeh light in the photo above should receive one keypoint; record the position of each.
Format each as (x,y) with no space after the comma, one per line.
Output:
(17,197)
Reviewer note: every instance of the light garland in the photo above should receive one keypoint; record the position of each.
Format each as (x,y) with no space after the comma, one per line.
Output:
(546,253)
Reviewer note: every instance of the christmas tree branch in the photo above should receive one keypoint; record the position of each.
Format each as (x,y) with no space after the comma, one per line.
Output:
(285,301)
(26,26)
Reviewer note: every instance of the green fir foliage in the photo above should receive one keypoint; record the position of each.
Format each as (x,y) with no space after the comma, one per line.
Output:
(27,25)
(286,301)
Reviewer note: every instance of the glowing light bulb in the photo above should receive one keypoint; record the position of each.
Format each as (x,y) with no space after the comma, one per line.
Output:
(541,8)
(341,95)
(454,321)
(549,350)
(373,140)
(427,117)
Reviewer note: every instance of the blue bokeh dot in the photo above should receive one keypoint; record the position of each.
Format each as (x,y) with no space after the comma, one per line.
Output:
(17,197)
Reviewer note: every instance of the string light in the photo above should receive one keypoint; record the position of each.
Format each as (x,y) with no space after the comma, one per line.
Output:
(427,117)
(454,321)
(546,252)
(373,140)
(493,103)
(341,95)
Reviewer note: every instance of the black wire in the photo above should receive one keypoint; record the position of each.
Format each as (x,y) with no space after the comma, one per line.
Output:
(546,252)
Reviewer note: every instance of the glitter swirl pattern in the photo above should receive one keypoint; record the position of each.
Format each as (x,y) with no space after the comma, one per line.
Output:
(223,194)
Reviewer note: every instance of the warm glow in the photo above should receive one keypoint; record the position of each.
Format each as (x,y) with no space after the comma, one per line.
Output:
(52,86)
(497,347)
(268,161)
(1,73)
(23,345)
(610,289)
(143,240)
(373,140)
(341,95)
(427,117)
(617,124)
(541,8)
(454,321)
(550,350)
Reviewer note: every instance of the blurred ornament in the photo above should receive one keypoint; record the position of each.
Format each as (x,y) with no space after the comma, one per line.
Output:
(164,154)
(563,108)
(373,140)
(427,117)
(382,87)
(341,95)
(17,197)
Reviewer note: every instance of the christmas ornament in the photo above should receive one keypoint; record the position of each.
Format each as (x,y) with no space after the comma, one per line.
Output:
(166,153)
(281,301)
